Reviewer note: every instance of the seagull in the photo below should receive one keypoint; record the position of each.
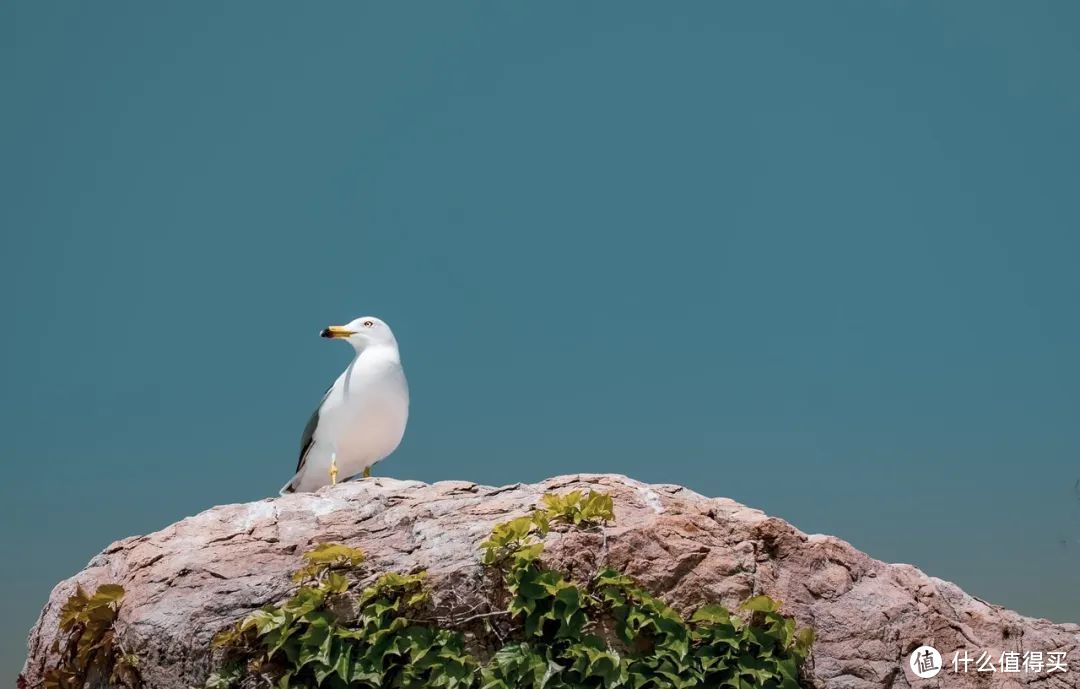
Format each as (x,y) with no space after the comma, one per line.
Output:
(362,416)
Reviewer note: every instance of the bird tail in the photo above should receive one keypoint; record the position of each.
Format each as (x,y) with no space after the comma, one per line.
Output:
(289,487)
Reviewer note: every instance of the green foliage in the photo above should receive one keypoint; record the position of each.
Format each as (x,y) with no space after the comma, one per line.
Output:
(652,645)
(577,509)
(520,538)
(328,557)
(88,647)
(606,633)
(517,538)
(225,678)
(763,649)
(308,641)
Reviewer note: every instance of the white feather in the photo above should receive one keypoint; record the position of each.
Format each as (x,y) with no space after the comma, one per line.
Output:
(362,419)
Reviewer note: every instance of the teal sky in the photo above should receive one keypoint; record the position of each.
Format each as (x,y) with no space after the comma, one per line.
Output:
(817,257)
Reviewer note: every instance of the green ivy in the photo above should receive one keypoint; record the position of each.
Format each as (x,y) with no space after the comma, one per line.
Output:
(327,558)
(87,646)
(520,538)
(650,645)
(324,637)
(604,633)
(579,509)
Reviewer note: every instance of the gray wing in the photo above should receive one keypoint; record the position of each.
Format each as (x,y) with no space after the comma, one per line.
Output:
(308,439)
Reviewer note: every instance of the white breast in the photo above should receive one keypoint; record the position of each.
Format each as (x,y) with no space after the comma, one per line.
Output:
(362,419)
(374,412)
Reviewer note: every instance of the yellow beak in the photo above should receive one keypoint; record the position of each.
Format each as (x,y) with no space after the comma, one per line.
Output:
(336,332)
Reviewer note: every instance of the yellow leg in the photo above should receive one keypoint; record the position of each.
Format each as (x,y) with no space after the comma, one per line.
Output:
(367,472)
(333,469)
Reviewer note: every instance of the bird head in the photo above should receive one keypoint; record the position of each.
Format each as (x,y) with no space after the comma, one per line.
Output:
(361,333)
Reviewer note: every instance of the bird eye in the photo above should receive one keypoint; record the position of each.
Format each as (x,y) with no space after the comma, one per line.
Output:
(368,324)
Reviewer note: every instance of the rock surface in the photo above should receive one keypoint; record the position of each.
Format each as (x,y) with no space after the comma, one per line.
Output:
(190,580)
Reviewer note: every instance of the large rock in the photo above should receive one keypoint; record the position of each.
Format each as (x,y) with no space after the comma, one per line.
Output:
(190,580)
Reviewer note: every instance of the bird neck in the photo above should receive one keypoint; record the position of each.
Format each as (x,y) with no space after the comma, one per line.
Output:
(377,354)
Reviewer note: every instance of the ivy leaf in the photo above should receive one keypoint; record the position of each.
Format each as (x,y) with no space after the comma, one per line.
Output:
(331,553)
(761,604)
(73,608)
(265,621)
(107,593)
(336,583)
(528,553)
(803,640)
(712,614)
(552,670)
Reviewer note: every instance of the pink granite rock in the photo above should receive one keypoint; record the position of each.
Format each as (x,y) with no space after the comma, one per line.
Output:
(190,580)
